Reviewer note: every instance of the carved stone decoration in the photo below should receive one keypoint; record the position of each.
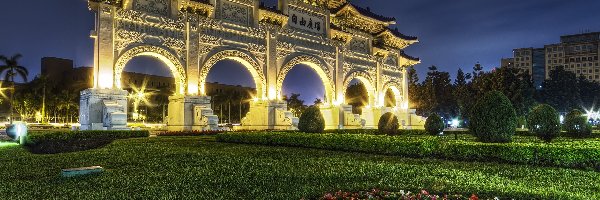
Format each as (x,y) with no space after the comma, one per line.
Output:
(209,39)
(284,49)
(210,23)
(257,48)
(363,75)
(392,59)
(235,13)
(393,84)
(253,67)
(320,67)
(159,7)
(359,45)
(175,65)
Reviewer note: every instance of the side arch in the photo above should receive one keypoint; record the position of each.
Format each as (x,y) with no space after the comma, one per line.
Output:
(396,90)
(365,79)
(316,64)
(164,55)
(245,59)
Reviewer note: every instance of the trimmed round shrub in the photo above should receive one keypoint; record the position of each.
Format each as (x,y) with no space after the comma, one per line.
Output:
(493,118)
(434,124)
(576,124)
(388,124)
(544,122)
(311,121)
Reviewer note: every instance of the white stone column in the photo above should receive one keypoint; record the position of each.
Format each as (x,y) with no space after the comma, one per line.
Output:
(104,47)
(193,60)
(405,99)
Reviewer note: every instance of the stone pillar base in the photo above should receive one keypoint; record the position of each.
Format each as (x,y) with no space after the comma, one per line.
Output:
(349,119)
(191,113)
(408,119)
(103,109)
(269,115)
(372,115)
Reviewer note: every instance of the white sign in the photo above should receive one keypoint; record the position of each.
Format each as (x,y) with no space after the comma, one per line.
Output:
(306,22)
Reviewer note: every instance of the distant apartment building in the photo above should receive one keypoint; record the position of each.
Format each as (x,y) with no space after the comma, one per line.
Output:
(581,54)
(576,53)
(530,61)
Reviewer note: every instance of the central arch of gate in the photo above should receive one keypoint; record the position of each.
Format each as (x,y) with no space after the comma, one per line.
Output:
(337,39)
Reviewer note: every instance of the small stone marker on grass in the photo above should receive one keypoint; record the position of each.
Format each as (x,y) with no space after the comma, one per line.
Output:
(73,172)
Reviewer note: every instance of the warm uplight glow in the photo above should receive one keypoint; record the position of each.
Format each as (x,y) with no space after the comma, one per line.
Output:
(404,105)
(192,89)
(2,89)
(139,95)
(338,102)
(105,80)
(273,94)
(203,89)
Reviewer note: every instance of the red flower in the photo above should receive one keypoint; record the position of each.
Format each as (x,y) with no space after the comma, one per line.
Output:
(474,197)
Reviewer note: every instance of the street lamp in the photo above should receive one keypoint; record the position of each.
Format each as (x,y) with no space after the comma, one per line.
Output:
(138,95)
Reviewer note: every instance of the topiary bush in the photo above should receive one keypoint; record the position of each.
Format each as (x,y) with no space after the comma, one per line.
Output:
(544,122)
(434,124)
(576,124)
(311,121)
(388,124)
(493,118)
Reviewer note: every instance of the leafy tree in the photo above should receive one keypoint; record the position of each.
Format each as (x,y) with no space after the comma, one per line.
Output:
(544,122)
(414,89)
(68,102)
(477,69)
(11,68)
(576,124)
(357,96)
(295,105)
(318,102)
(513,84)
(462,94)
(437,94)
(589,92)
(389,100)
(561,91)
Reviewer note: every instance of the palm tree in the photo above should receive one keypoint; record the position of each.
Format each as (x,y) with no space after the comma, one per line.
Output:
(12,68)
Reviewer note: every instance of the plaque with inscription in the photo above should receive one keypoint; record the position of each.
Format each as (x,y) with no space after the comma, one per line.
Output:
(305,21)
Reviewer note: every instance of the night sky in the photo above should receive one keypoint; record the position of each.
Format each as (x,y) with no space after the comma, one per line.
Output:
(452,34)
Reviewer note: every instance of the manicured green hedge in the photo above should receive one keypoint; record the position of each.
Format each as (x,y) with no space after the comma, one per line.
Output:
(70,141)
(409,132)
(576,154)
(188,133)
(375,131)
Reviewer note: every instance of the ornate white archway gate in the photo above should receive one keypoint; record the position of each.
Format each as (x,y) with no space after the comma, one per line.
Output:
(335,38)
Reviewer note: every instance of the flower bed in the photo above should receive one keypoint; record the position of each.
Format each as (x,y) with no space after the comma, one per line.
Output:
(582,154)
(401,195)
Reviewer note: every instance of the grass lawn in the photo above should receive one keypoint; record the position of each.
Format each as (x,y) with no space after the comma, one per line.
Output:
(199,167)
